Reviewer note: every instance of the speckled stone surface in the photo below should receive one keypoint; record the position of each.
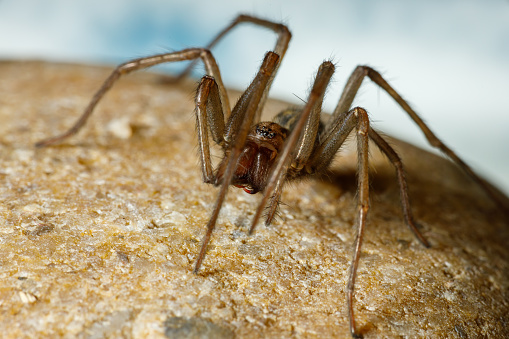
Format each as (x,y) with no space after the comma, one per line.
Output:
(98,235)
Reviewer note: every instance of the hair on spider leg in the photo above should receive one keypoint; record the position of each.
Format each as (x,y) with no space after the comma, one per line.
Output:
(277,213)
(263,156)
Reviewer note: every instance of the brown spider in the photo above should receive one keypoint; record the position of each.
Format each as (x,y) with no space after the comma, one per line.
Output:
(262,156)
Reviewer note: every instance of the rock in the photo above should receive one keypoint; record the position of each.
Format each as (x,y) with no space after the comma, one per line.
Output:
(98,235)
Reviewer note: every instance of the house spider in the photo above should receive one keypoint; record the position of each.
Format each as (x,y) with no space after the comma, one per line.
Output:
(262,156)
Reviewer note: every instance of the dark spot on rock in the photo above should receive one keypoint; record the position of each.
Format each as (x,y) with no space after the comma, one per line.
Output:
(195,328)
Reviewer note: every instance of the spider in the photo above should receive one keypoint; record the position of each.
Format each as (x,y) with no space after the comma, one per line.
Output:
(263,156)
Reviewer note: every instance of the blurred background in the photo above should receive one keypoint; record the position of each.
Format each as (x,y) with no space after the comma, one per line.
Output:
(449,58)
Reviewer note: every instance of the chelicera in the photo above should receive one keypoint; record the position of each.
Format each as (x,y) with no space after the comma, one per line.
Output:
(261,156)
(263,143)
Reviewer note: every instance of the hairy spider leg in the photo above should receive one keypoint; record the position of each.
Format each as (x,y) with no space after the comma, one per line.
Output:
(192,54)
(280,47)
(336,133)
(187,54)
(403,187)
(296,138)
(361,121)
(349,93)
(237,130)
(209,116)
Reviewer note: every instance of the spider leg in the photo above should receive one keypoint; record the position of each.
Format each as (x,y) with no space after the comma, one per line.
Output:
(346,100)
(141,63)
(280,48)
(306,143)
(244,112)
(294,143)
(273,204)
(403,188)
(281,30)
(339,129)
(208,114)
(362,122)
(238,115)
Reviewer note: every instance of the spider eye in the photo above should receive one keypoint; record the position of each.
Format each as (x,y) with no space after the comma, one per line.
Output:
(265,132)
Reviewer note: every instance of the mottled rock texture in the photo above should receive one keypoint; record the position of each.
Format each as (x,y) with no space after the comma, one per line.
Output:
(99,234)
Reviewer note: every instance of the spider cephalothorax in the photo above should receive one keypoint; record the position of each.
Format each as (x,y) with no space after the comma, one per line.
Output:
(261,156)
(264,141)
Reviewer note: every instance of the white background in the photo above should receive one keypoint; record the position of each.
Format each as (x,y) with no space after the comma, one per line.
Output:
(450,59)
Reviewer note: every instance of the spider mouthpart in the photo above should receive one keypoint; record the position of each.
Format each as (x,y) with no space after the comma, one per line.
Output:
(247,189)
